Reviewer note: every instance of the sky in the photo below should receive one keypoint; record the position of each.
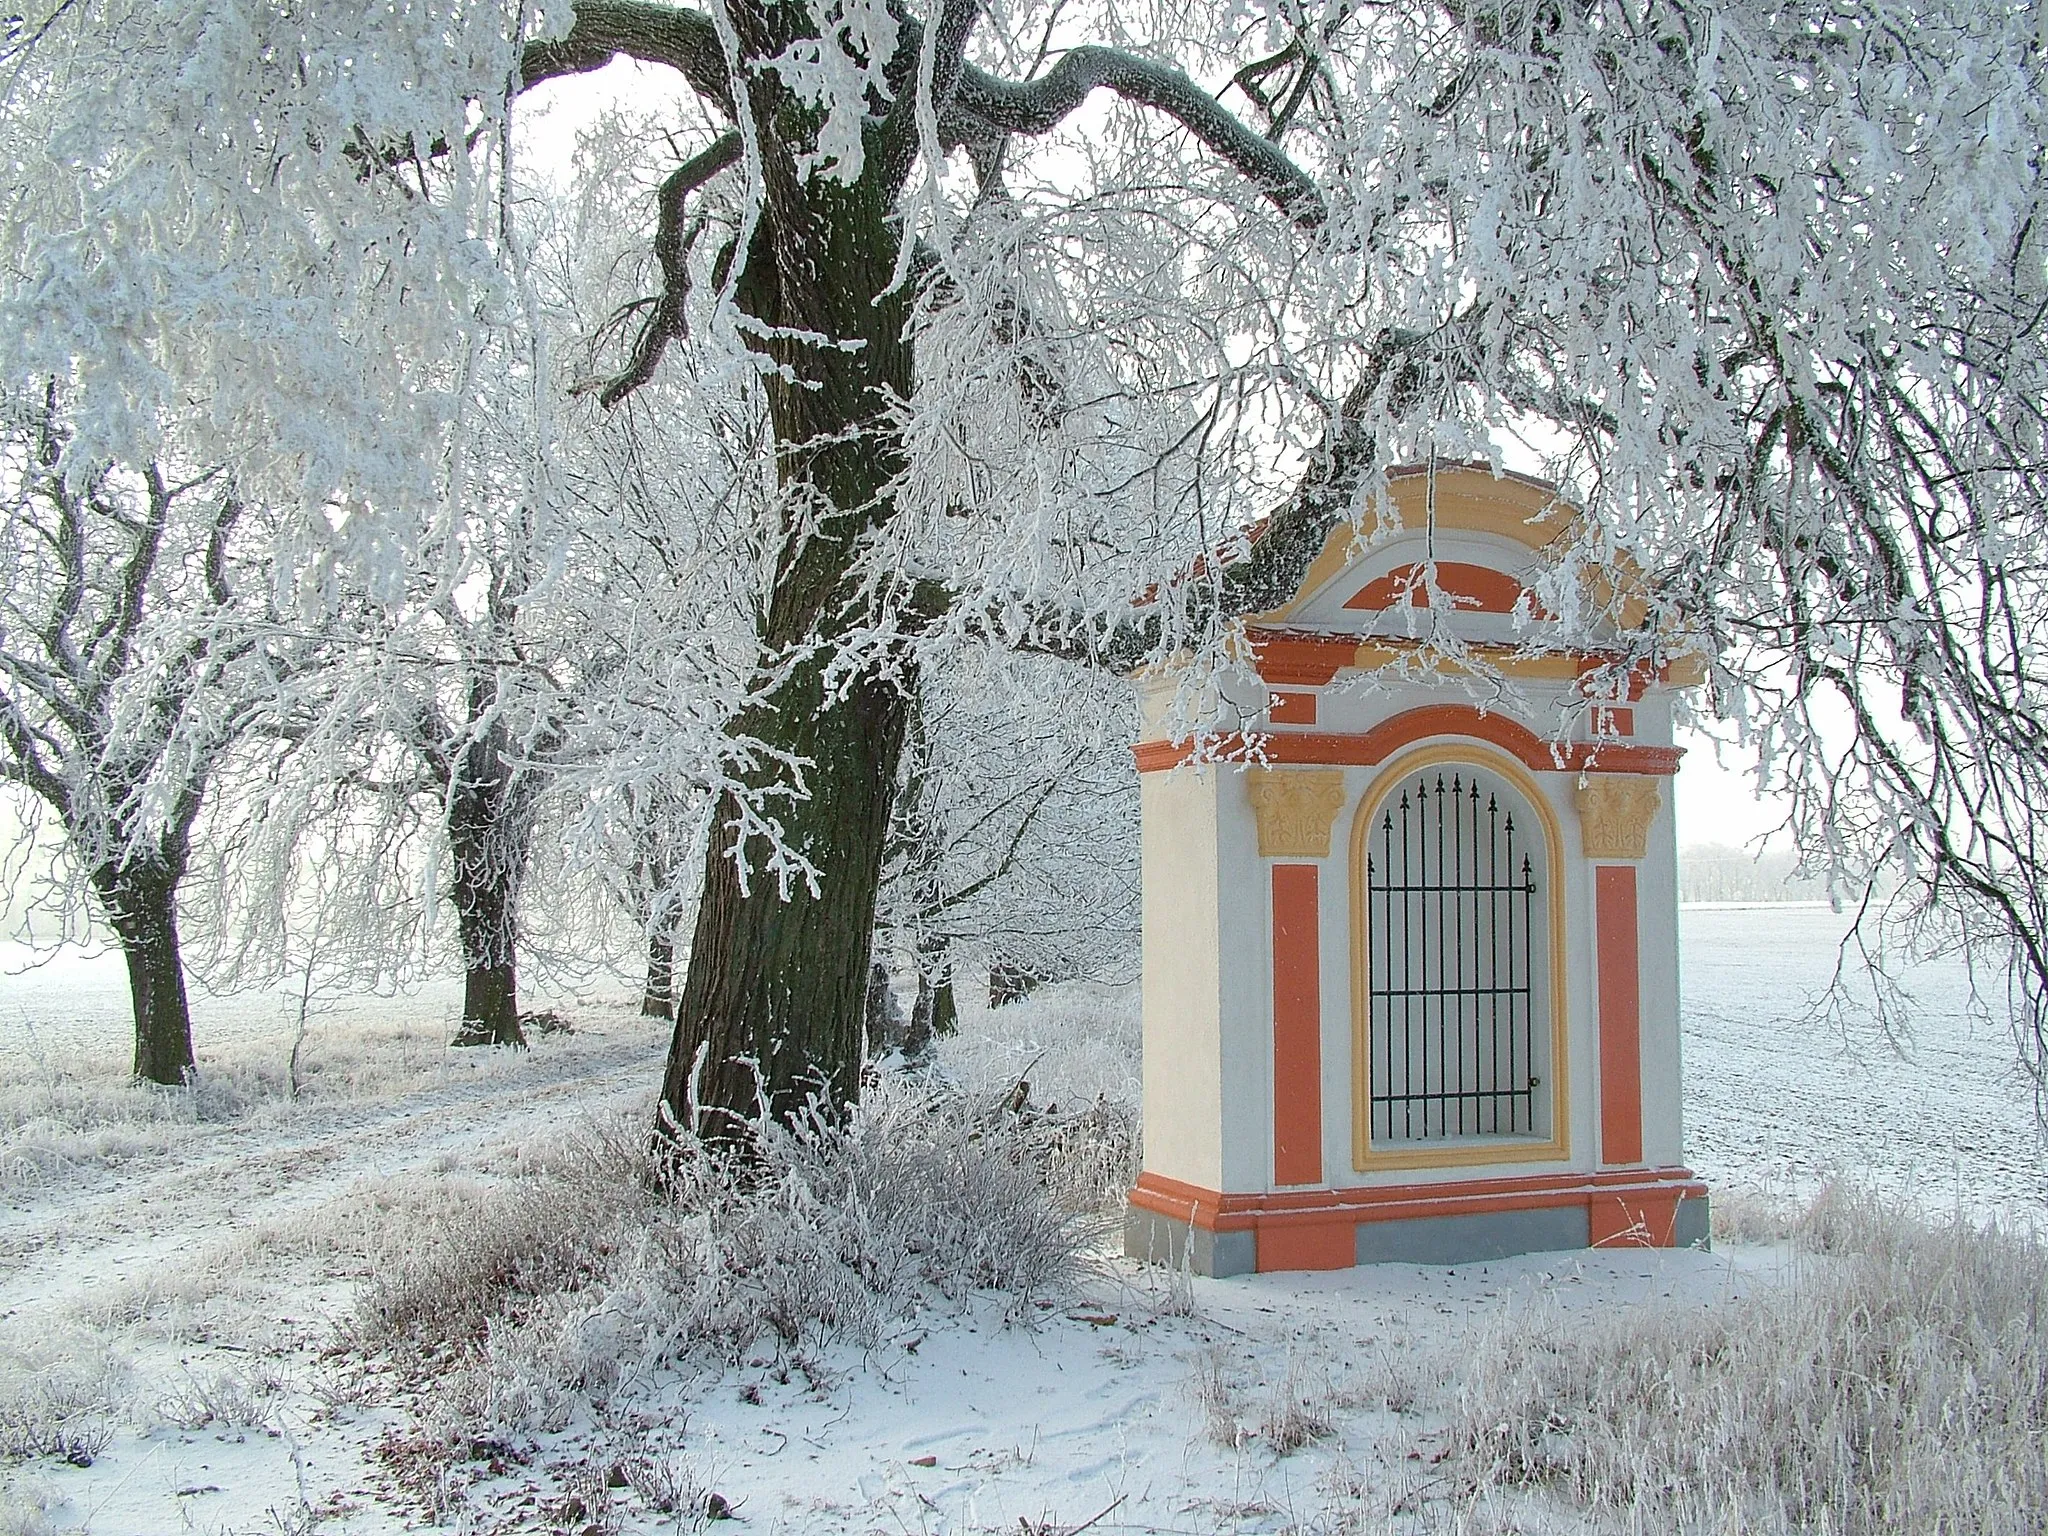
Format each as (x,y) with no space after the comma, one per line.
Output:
(1716,802)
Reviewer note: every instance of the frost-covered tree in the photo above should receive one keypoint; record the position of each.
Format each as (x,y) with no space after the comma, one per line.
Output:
(483,746)
(1047,301)
(136,648)
(665,497)
(833,123)
(1016,835)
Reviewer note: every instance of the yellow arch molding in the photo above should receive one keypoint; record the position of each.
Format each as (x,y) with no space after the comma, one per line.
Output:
(1471,499)
(1558,1147)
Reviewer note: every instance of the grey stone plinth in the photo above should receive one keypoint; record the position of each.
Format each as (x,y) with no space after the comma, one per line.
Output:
(1155,1239)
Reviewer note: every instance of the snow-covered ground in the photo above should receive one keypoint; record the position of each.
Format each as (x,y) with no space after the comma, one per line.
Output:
(1780,1098)
(176,1274)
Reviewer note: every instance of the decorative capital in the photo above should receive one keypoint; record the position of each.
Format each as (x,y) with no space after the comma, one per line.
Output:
(1295,807)
(1615,812)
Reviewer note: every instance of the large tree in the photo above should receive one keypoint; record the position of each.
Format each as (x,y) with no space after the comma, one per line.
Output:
(836,117)
(1048,302)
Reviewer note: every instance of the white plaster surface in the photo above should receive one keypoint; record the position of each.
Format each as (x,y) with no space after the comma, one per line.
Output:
(1183,975)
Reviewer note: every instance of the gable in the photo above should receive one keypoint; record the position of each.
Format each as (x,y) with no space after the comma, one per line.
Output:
(1481,540)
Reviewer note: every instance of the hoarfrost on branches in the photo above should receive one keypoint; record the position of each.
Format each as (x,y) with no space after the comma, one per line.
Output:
(1047,309)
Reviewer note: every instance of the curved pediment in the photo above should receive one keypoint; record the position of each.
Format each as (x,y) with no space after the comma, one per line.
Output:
(1462,540)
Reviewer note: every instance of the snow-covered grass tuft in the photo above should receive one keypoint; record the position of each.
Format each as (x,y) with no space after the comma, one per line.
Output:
(1070,1051)
(453,1255)
(25,1504)
(57,1120)
(1748,1218)
(583,1276)
(60,1395)
(1897,1381)
(221,1399)
(74,1110)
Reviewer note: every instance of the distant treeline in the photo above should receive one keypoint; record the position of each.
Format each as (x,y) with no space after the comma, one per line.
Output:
(1716,872)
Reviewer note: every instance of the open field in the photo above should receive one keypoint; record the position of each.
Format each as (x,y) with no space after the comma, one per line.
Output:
(1781,1099)
(369,1282)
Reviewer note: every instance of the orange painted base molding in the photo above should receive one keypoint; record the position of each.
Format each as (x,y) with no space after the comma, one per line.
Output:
(1321,1229)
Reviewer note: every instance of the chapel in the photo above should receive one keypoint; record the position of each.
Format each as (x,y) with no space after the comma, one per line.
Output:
(1410,921)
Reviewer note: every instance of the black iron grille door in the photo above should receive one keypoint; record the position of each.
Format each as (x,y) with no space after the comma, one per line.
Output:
(1450,913)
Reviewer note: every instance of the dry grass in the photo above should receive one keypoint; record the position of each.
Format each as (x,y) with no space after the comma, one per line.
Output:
(55,1122)
(1895,1382)
(1073,1047)
(452,1254)
(577,1281)
(69,1108)
(25,1503)
(60,1395)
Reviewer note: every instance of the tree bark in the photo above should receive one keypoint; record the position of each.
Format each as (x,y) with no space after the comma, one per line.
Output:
(885,1019)
(141,906)
(490,974)
(490,1004)
(773,1006)
(933,1014)
(1010,981)
(658,999)
(487,843)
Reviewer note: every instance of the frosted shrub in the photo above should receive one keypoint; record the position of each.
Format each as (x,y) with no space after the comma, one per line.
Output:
(839,1226)
(25,1507)
(583,1276)
(1896,1382)
(921,1189)
(1069,1052)
(481,1252)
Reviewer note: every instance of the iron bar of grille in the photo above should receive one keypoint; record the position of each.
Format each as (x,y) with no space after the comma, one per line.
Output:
(1450,911)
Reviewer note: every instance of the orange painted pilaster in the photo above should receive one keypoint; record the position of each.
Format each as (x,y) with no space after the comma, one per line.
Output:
(1297,1028)
(1621,1014)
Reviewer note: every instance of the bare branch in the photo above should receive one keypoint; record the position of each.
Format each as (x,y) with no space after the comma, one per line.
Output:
(898,137)
(683,40)
(666,319)
(125,617)
(1037,106)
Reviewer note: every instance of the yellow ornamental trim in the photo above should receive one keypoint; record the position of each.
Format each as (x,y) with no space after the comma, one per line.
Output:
(1615,812)
(1295,808)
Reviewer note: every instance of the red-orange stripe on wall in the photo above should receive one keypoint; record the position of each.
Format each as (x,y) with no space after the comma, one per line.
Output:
(1291,708)
(1621,1014)
(1297,1028)
(1476,587)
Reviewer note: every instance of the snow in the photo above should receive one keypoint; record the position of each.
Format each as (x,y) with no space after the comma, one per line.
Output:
(1780,1099)
(186,1276)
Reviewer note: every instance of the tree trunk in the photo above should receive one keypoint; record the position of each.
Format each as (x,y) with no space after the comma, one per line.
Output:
(773,1007)
(933,1013)
(490,978)
(490,1004)
(885,1019)
(1010,981)
(142,909)
(487,844)
(658,1000)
